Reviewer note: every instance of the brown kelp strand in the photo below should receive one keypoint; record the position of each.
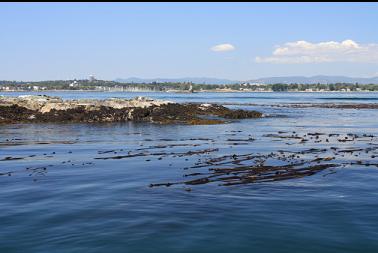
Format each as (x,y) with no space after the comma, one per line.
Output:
(247,175)
(178,154)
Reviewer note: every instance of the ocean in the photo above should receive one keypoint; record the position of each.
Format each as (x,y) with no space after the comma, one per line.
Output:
(58,194)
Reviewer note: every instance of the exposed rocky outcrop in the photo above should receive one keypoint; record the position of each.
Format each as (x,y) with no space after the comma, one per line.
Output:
(45,104)
(54,109)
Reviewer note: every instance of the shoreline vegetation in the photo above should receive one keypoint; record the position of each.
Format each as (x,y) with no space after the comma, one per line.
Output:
(104,85)
(46,109)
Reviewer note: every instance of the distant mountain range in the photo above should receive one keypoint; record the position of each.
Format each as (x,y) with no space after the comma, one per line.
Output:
(315,79)
(268,80)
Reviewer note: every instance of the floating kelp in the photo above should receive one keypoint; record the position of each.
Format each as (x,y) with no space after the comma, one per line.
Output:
(10,158)
(178,154)
(314,152)
(252,174)
(236,169)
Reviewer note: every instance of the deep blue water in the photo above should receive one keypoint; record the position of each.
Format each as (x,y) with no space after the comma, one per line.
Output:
(80,204)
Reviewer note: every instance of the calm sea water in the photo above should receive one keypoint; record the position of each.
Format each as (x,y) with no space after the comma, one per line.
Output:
(81,204)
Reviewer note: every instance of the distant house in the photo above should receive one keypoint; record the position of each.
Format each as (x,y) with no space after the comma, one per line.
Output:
(257,84)
(74,84)
(91,78)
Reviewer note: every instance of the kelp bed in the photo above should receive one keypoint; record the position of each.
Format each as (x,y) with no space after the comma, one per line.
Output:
(309,154)
(239,169)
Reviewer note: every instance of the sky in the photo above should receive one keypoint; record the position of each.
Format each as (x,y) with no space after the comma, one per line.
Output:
(238,41)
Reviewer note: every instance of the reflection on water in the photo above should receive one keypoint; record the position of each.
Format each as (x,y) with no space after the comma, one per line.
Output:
(57,198)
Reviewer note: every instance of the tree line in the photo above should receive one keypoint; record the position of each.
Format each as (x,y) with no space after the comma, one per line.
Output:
(185,86)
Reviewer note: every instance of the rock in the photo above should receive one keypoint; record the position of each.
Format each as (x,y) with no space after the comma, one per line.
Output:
(53,109)
(45,104)
(30,102)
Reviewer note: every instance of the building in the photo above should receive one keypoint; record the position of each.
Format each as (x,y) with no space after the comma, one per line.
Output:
(91,78)
(74,84)
(256,84)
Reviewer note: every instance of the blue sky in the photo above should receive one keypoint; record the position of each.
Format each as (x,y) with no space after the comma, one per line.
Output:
(69,40)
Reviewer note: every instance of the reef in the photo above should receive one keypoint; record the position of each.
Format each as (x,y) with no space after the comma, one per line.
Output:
(36,109)
(356,106)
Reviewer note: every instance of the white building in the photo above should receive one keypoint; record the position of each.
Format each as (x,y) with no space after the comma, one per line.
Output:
(74,84)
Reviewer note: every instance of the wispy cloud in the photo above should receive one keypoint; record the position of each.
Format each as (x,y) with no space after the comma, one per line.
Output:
(222,48)
(329,51)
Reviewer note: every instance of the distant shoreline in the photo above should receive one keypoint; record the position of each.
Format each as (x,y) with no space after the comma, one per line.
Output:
(185,92)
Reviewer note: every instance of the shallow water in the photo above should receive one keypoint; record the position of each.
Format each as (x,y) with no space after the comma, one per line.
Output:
(82,204)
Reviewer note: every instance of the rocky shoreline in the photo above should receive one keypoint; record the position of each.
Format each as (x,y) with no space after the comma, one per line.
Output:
(36,109)
(314,105)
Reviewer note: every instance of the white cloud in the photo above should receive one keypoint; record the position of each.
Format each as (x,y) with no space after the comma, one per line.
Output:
(222,48)
(329,51)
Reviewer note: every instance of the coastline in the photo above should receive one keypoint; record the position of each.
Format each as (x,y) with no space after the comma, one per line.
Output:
(201,91)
